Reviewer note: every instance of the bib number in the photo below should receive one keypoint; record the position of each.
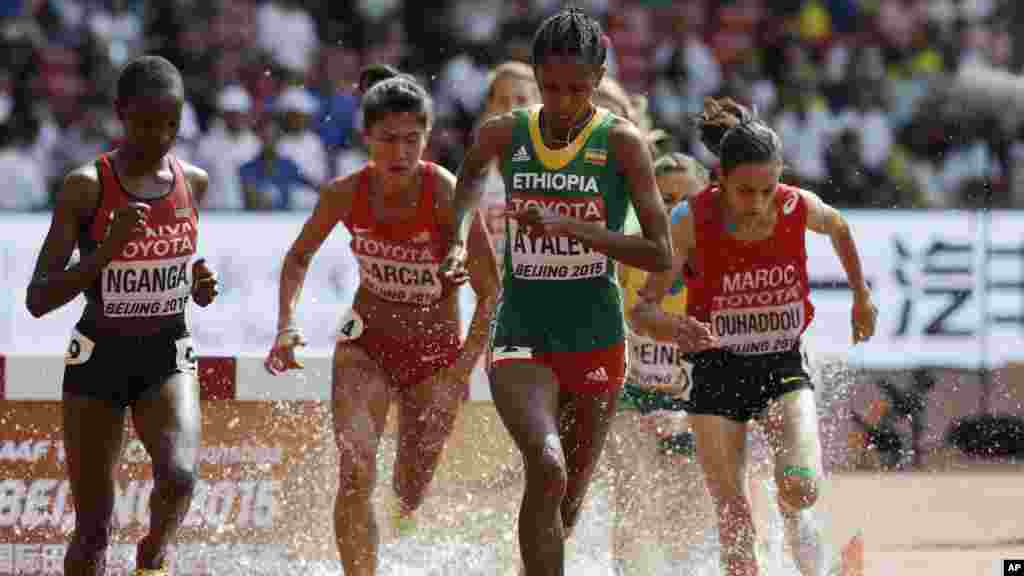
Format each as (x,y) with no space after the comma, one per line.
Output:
(351,327)
(684,383)
(186,359)
(79,349)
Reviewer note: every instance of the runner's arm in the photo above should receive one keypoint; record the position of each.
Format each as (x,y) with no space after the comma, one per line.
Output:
(482,265)
(494,136)
(648,317)
(825,219)
(486,282)
(54,284)
(653,250)
(334,201)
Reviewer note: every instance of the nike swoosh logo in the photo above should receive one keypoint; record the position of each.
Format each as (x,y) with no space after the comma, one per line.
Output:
(793,379)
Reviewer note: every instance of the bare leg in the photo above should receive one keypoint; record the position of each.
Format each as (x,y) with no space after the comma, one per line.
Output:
(791,426)
(168,423)
(722,453)
(584,421)
(360,405)
(93,434)
(426,416)
(526,397)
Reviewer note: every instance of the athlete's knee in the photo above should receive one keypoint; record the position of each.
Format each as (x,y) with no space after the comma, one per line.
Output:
(92,535)
(432,438)
(178,479)
(358,470)
(798,487)
(545,465)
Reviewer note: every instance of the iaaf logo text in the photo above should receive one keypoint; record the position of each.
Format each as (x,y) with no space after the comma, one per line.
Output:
(29,450)
(47,503)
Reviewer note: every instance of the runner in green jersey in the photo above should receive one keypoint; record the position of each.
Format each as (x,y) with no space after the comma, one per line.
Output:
(558,353)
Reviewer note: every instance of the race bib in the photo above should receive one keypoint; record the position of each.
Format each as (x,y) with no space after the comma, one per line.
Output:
(186,359)
(79,349)
(140,289)
(400,272)
(556,257)
(351,327)
(658,366)
(766,330)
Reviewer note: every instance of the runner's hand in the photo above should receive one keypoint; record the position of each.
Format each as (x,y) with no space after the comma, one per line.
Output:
(538,222)
(694,336)
(204,283)
(282,356)
(127,222)
(453,267)
(863,317)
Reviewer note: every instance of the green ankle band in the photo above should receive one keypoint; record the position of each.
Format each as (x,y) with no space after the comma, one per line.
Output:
(801,471)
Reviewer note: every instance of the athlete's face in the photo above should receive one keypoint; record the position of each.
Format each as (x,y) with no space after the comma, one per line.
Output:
(566,88)
(396,142)
(750,188)
(151,123)
(511,92)
(676,186)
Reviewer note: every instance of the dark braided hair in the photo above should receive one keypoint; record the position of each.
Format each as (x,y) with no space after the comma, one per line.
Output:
(385,90)
(736,136)
(151,77)
(570,33)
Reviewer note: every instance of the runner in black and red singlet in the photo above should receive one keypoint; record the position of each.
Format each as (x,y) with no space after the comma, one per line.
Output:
(401,340)
(741,242)
(132,214)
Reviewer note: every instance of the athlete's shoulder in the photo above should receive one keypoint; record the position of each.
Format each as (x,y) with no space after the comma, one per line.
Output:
(444,189)
(700,204)
(196,176)
(498,128)
(81,186)
(344,187)
(443,176)
(612,118)
(624,135)
(792,198)
(621,126)
(339,192)
(84,175)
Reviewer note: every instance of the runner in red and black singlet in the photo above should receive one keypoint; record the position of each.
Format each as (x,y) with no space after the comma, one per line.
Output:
(401,339)
(742,243)
(133,217)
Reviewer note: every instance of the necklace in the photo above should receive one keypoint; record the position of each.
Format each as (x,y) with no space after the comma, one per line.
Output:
(573,130)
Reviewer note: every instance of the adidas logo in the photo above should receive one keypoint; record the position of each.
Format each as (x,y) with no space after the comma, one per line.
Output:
(521,155)
(598,374)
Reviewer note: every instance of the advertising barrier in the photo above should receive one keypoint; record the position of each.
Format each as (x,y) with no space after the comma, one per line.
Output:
(949,286)
(950,291)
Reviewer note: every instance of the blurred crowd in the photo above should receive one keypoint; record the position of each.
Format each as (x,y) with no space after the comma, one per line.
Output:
(857,89)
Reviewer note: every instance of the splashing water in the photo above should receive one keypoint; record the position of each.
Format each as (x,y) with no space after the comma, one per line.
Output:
(467,526)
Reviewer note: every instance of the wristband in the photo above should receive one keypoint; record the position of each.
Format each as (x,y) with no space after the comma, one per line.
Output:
(288,336)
